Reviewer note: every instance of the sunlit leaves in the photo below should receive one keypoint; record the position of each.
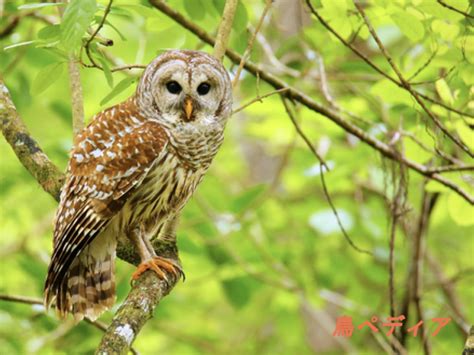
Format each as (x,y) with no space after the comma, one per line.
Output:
(76,19)
(46,77)
(409,25)
(444,92)
(238,290)
(195,9)
(119,88)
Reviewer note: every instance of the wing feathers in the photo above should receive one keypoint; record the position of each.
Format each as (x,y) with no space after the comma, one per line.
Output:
(110,158)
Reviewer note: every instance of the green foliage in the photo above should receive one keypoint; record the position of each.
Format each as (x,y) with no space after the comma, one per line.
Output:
(76,19)
(267,268)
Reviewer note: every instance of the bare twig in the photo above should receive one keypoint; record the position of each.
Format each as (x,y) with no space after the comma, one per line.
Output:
(406,85)
(302,98)
(258,99)
(451,168)
(225,27)
(268,5)
(442,3)
(423,67)
(94,34)
(322,166)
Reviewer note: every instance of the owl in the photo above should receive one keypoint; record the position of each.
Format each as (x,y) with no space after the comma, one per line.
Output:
(130,173)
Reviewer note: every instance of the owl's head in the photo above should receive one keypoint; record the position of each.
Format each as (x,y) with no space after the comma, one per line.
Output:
(183,87)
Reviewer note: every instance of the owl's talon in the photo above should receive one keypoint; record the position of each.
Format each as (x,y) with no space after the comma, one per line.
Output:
(158,264)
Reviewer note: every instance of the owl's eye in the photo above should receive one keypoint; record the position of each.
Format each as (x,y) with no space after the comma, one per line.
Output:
(203,88)
(173,87)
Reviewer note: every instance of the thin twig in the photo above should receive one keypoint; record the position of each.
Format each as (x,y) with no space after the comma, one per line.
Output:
(91,38)
(268,5)
(225,27)
(305,100)
(424,66)
(322,167)
(258,99)
(442,3)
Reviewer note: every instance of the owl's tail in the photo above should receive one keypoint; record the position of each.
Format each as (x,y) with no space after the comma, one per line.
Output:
(87,290)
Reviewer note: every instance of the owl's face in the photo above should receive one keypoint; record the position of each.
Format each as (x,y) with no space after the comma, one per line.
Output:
(186,88)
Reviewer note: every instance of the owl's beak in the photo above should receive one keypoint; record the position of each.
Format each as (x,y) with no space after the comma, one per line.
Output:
(188,108)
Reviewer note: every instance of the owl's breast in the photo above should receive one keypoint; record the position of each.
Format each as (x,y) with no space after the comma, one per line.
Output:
(164,192)
(196,144)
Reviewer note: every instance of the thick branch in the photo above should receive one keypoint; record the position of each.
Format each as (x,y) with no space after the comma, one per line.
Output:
(140,303)
(305,100)
(26,148)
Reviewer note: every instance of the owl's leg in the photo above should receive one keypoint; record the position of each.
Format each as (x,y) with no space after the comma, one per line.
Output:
(149,259)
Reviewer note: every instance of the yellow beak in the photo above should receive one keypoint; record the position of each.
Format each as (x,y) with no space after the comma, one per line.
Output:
(188,108)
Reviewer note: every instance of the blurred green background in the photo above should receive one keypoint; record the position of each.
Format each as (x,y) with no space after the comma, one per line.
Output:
(268,269)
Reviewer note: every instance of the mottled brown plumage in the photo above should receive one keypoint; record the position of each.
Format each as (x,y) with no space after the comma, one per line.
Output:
(130,173)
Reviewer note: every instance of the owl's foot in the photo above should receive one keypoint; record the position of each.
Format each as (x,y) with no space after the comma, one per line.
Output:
(159,265)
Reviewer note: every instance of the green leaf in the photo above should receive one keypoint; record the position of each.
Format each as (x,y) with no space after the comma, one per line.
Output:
(76,19)
(409,24)
(122,86)
(444,92)
(46,77)
(246,199)
(238,290)
(241,18)
(195,9)
(142,10)
(107,72)
(459,210)
(38,5)
(49,32)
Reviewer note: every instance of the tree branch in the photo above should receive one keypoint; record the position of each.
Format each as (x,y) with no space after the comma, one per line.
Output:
(224,28)
(442,3)
(140,303)
(26,148)
(305,100)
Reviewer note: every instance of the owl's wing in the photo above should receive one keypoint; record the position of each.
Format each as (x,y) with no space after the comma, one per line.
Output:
(111,157)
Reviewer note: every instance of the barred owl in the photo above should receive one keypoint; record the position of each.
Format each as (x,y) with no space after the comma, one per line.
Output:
(130,173)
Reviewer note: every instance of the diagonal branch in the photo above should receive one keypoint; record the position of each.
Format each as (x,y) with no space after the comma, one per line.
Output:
(26,148)
(305,100)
